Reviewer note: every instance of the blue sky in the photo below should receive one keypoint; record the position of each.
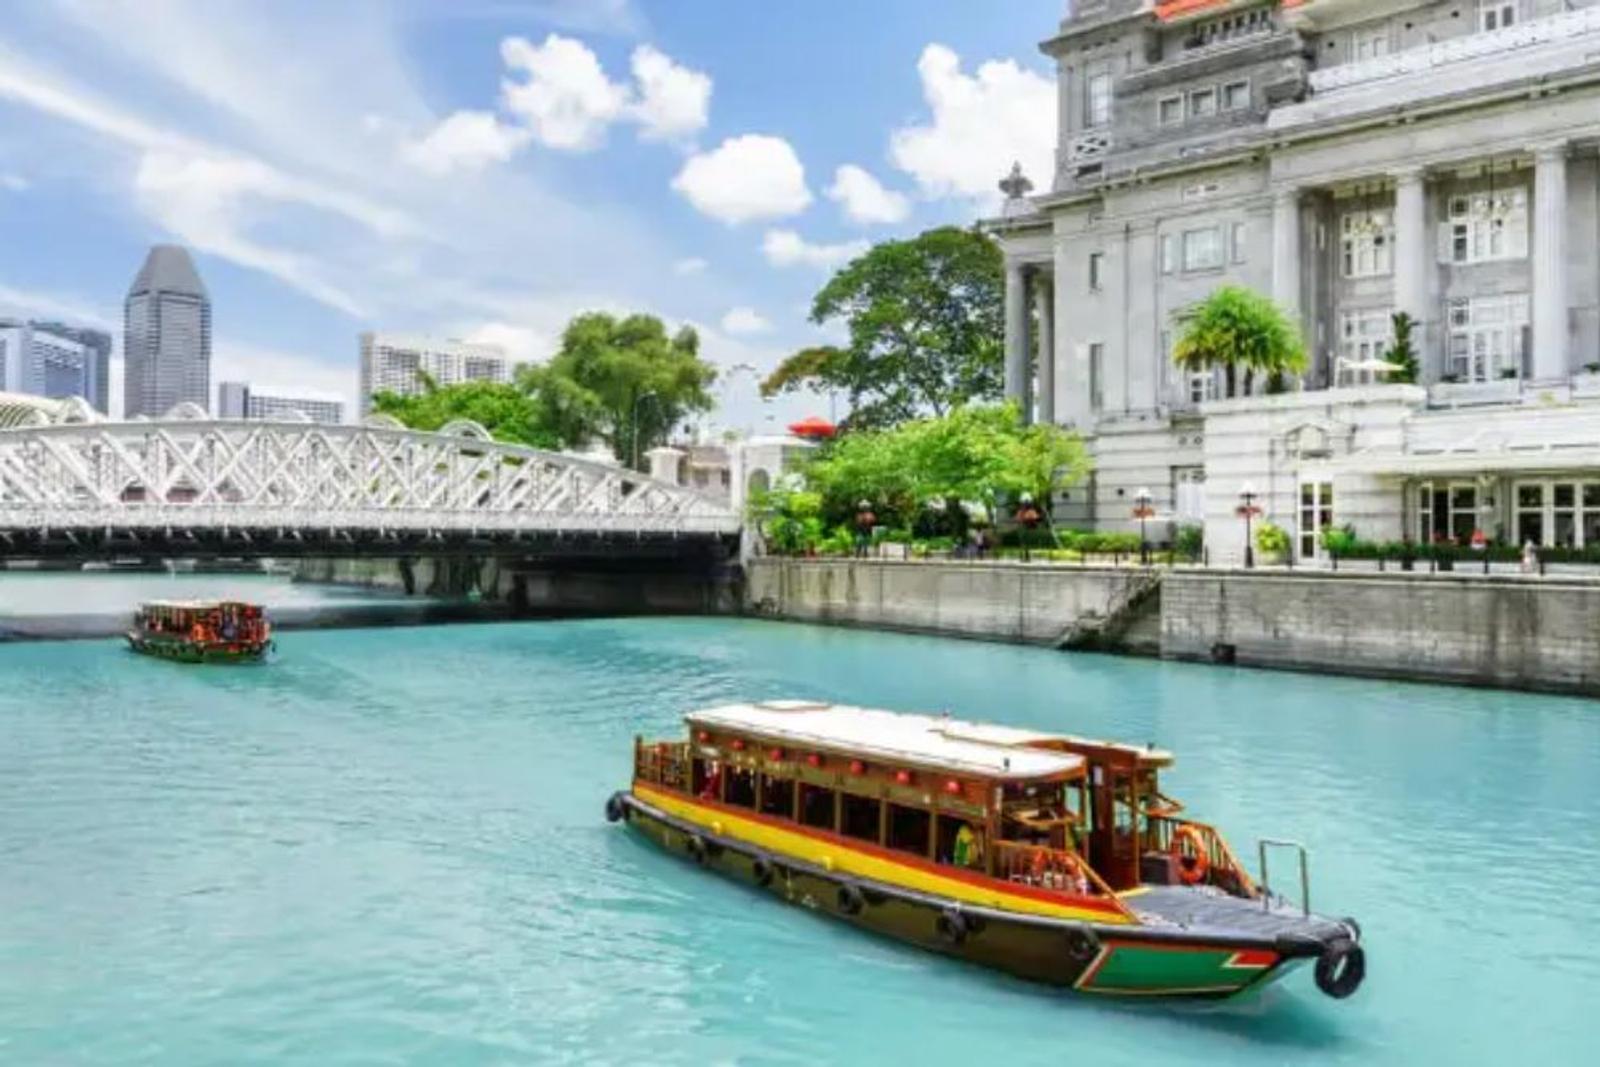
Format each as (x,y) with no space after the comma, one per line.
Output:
(487,168)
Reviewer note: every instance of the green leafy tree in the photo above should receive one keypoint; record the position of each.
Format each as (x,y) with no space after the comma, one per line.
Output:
(975,454)
(507,412)
(621,380)
(1245,334)
(925,324)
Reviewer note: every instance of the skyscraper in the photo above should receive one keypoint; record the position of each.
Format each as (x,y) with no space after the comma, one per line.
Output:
(166,338)
(97,369)
(44,361)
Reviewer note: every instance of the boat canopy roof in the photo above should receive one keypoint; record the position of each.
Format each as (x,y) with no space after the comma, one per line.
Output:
(195,605)
(932,741)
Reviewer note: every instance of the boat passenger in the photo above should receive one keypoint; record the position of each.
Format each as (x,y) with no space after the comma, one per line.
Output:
(969,847)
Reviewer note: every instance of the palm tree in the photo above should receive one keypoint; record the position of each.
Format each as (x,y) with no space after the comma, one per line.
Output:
(1240,330)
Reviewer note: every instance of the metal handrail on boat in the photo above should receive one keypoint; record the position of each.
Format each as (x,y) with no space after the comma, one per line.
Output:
(1305,873)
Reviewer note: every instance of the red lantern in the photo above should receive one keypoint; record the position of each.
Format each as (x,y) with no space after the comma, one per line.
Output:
(903,777)
(775,754)
(952,787)
(814,759)
(857,767)
(738,744)
(702,737)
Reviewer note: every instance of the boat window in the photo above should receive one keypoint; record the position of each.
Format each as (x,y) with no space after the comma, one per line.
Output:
(777,797)
(909,829)
(959,842)
(859,817)
(816,806)
(741,788)
(703,779)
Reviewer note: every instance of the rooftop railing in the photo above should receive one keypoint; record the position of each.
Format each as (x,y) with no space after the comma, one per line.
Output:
(1553,29)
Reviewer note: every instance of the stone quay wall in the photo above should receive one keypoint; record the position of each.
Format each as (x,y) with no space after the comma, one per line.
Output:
(1519,633)
(1027,603)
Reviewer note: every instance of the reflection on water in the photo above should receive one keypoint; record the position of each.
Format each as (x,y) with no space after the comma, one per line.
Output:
(388,846)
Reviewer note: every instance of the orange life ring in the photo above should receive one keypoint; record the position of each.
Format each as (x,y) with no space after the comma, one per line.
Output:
(1194,865)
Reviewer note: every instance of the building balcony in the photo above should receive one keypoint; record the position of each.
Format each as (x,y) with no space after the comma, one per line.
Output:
(1536,50)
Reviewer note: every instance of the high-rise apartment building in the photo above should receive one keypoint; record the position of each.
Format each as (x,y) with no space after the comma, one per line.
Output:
(166,336)
(237,400)
(39,360)
(396,363)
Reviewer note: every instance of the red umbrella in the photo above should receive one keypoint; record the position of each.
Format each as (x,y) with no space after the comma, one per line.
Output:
(813,426)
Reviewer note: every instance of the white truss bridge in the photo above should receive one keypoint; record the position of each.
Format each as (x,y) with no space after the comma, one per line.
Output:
(266,488)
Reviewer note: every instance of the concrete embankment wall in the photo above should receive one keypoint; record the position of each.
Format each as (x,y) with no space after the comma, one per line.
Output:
(1518,633)
(1029,603)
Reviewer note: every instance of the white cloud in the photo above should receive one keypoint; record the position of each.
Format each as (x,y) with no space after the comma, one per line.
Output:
(673,102)
(26,303)
(786,248)
(566,99)
(466,141)
(981,124)
(689,265)
(864,199)
(743,320)
(523,343)
(750,177)
(14,183)
(198,200)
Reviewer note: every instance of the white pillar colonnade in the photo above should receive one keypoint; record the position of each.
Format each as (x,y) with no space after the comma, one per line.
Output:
(1044,302)
(1412,255)
(1016,327)
(1286,251)
(1550,262)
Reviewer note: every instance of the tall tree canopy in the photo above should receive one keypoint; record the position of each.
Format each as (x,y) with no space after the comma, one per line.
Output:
(926,329)
(503,409)
(1242,332)
(623,381)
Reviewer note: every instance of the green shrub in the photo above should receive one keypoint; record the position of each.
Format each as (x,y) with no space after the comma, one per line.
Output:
(1338,540)
(1271,539)
(1191,541)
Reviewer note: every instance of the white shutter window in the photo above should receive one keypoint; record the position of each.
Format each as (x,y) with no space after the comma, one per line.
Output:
(1446,240)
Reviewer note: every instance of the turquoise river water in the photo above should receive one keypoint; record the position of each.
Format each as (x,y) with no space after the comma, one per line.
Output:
(387,847)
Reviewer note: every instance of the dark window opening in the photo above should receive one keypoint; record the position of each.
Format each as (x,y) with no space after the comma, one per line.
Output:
(909,829)
(777,797)
(952,846)
(860,817)
(816,807)
(741,789)
(706,779)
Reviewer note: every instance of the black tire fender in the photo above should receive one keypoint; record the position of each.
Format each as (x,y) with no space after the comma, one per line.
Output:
(616,808)
(1082,944)
(850,899)
(1341,968)
(695,845)
(761,871)
(951,926)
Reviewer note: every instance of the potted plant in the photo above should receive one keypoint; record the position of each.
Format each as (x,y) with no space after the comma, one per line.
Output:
(1272,543)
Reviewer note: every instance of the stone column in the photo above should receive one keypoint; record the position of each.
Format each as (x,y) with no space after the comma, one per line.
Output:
(1550,262)
(1017,335)
(1044,305)
(1411,247)
(1286,251)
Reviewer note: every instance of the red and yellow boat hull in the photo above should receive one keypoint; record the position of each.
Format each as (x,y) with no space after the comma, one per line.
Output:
(1089,944)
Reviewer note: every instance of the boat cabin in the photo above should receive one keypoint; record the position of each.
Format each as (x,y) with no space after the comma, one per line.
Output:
(203,620)
(1054,811)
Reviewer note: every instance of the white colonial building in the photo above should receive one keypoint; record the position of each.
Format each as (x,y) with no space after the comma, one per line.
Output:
(1351,158)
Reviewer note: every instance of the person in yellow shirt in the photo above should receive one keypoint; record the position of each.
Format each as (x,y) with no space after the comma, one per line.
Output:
(969,847)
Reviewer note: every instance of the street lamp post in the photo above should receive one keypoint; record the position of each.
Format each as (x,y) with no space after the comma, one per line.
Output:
(1247,510)
(865,521)
(641,398)
(1143,511)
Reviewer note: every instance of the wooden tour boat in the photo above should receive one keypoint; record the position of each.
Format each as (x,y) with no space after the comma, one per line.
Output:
(202,631)
(1054,858)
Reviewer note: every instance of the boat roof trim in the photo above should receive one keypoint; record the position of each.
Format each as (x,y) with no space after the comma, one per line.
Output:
(929,741)
(198,605)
